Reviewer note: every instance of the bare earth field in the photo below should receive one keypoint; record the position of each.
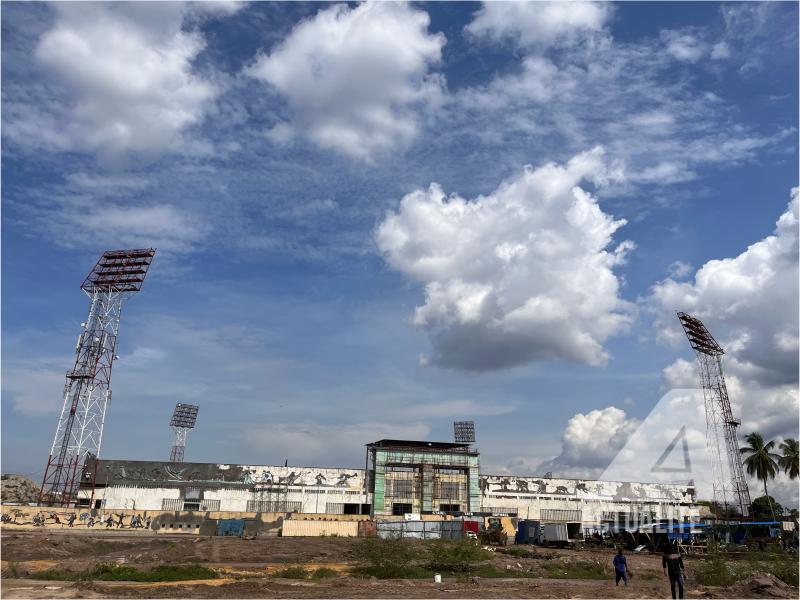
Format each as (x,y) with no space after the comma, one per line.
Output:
(247,570)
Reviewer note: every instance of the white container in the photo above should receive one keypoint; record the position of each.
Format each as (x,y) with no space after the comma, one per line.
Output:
(300,528)
(437,578)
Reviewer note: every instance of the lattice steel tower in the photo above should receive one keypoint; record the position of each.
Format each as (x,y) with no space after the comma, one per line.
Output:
(117,276)
(721,425)
(183,419)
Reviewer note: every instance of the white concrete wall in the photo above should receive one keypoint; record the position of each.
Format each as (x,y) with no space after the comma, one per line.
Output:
(314,488)
(529,495)
(134,498)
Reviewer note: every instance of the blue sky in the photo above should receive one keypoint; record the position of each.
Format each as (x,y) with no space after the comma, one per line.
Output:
(313,292)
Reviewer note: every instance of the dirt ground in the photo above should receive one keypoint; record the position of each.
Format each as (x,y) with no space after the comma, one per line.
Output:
(246,567)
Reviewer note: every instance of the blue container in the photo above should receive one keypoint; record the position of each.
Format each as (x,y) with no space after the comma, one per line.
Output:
(527,532)
(233,527)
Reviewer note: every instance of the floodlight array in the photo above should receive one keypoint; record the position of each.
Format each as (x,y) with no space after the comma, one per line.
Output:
(464,432)
(185,416)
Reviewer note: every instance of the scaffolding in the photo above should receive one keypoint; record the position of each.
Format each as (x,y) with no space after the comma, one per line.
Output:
(422,477)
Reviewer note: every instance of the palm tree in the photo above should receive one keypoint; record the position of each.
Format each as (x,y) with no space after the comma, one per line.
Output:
(760,462)
(788,462)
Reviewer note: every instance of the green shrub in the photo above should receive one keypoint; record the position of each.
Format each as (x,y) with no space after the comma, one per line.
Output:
(520,552)
(782,566)
(13,569)
(115,572)
(489,571)
(454,557)
(54,575)
(785,570)
(292,573)
(408,572)
(323,573)
(384,558)
(716,571)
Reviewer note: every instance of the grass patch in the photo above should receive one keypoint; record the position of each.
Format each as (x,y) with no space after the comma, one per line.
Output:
(385,558)
(785,570)
(520,552)
(293,573)
(455,557)
(407,572)
(115,572)
(13,569)
(575,570)
(489,571)
(716,571)
(324,573)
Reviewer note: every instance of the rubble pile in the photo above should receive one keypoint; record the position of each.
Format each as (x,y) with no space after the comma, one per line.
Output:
(18,489)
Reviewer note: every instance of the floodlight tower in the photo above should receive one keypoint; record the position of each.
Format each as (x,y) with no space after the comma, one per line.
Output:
(183,419)
(721,425)
(117,276)
(464,432)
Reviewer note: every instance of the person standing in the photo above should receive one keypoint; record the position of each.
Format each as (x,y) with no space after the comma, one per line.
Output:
(621,567)
(673,568)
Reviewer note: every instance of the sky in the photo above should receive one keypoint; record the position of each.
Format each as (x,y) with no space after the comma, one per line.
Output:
(374,219)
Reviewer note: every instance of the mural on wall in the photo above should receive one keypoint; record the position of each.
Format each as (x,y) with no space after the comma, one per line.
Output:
(117,472)
(611,490)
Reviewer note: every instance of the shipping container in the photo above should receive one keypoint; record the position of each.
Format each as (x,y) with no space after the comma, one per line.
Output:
(298,528)
(425,530)
(561,534)
(230,527)
(528,532)
(554,533)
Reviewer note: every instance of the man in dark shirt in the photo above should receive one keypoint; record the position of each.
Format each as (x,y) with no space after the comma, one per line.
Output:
(621,567)
(673,568)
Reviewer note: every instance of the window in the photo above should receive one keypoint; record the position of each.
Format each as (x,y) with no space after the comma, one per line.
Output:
(334,508)
(171,504)
(351,509)
(191,505)
(449,489)
(401,508)
(273,506)
(400,488)
(450,508)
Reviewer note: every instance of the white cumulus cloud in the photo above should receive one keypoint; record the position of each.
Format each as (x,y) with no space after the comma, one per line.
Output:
(126,80)
(356,78)
(684,45)
(538,23)
(749,304)
(590,442)
(525,273)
